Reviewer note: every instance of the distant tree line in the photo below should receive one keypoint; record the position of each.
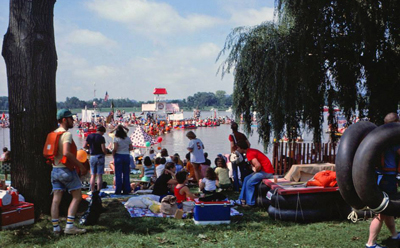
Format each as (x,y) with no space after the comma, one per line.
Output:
(200,100)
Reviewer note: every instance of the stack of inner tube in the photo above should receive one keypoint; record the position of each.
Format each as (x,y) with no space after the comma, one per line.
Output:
(359,153)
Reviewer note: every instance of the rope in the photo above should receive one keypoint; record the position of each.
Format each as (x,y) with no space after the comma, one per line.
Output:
(278,208)
(298,204)
(353,216)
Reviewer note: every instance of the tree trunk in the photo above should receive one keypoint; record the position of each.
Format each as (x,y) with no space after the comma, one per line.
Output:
(31,60)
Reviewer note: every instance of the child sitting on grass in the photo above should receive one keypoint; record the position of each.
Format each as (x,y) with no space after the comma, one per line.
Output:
(190,168)
(148,174)
(222,171)
(148,169)
(208,183)
(177,165)
(182,192)
(161,166)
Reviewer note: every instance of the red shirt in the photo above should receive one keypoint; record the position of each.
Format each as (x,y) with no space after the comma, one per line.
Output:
(179,198)
(266,165)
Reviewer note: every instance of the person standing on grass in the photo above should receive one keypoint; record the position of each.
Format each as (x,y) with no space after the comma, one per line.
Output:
(195,148)
(97,149)
(234,138)
(262,168)
(63,178)
(387,183)
(122,146)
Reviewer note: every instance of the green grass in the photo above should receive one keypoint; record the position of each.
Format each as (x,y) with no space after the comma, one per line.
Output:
(253,229)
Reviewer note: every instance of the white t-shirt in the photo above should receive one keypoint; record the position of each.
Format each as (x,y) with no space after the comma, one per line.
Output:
(152,156)
(209,184)
(123,145)
(159,170)
(197,155)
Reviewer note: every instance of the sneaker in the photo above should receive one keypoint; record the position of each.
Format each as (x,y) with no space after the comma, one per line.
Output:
(397,237)
(57,233)
(74,230)
(375,246)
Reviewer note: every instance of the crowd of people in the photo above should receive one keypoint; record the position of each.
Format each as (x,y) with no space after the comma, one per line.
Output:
(170,175)
(167,175)
(147,121)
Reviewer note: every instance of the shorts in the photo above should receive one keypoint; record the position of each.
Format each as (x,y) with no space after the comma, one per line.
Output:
(97,164)
(6,167)
(388,183)
(64,179)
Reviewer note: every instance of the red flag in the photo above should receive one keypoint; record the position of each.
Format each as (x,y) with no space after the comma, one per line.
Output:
(106,97)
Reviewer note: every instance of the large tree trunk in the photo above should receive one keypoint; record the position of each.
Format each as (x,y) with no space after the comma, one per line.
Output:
(31,61)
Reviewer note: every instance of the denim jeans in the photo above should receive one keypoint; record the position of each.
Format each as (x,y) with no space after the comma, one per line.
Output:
(236,182)
(122,181)
(249,186)
(243,173)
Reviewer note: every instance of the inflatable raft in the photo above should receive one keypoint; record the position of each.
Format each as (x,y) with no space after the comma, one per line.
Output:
(291,201)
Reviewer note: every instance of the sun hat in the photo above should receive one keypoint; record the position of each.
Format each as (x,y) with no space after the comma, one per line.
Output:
(63,113)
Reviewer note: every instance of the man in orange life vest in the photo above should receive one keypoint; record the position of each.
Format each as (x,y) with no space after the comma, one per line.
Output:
(62,178)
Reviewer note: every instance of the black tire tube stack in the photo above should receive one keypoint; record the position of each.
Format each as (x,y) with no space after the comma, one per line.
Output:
(261,199)
(309,215)
(347,149)
(367,157)
(309,201)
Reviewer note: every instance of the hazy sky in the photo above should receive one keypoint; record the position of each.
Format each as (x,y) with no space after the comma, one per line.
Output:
(129,47)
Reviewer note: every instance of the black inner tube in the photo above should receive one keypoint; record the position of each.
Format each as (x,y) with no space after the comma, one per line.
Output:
(367,157)
(349,143)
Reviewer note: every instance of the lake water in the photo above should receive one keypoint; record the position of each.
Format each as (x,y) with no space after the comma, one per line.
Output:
(215,139)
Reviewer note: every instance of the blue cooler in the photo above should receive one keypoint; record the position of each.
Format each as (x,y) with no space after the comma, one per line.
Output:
(212,213)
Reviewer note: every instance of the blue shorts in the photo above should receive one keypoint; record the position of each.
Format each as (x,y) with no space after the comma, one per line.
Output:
(64,179)
(97,164)
(388,183)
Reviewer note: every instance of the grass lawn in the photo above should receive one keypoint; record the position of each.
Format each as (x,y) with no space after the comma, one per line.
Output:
(254,229)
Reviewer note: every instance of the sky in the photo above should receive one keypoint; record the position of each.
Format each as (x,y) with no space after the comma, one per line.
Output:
(129,47)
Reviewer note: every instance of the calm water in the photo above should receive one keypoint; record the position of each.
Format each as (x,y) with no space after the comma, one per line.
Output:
(215,139)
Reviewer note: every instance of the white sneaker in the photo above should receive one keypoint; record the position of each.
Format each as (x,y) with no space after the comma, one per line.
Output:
(74,230)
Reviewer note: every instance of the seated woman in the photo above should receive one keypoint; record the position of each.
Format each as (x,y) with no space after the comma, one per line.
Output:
(166,182)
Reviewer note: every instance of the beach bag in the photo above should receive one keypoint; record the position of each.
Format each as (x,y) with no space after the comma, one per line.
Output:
(236,157)
(50,148)
(168,205)
(92,214)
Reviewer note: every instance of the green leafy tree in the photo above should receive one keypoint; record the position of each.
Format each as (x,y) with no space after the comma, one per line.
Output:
(315,53)
(221,97)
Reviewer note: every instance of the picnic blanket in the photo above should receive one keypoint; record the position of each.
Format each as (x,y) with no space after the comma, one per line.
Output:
(142,212)
(108,192)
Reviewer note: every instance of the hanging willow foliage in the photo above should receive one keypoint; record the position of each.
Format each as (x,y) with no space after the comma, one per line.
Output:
(316,53)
